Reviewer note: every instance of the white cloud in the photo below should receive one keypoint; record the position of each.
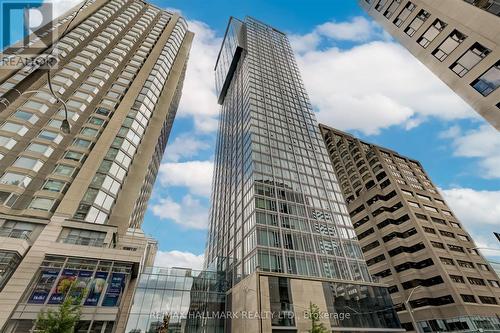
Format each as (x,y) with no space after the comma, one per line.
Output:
(358,29)
(474,208)
(482,143)
(370,86)
(302,43)
(179,259)
(195,175)
(190,213)
(185,145)
(479,211)
(62,6)
(198,95)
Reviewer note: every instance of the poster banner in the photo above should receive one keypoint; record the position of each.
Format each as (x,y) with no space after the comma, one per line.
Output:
(96,288)
(115,288)
(62,287)
(81,286)
(43,286)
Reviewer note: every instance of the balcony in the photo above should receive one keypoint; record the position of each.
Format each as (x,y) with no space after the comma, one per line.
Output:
(15,233)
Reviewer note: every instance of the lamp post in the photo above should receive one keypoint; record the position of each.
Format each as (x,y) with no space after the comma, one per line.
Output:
(485,248)
(410,310)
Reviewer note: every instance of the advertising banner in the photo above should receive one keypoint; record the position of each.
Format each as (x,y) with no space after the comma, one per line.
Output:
(43,286)
(115,288)
(62,287)
(80,287)
(96,288)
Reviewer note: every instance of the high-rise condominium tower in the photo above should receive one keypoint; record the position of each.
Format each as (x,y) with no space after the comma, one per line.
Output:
(278,223)
(458,40)
(412,240)
(72,199)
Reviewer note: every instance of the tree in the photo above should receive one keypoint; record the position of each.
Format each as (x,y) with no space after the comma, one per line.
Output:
(164,326)
(62,320)
(314,315)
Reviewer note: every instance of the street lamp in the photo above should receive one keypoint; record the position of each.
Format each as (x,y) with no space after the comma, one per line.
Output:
(485,248)
(410,310)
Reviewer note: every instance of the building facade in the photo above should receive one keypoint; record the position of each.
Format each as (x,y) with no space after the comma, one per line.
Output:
(412,240)
(74,186)
(277,215)
(189,300)
(459,41)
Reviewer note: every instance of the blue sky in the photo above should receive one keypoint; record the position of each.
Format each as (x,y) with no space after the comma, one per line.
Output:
(341,52)
(347,63)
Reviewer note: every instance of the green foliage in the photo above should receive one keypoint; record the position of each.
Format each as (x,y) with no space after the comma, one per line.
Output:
(314,315)
(62,320)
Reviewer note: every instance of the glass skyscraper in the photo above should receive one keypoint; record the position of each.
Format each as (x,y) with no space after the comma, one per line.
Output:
(278,216)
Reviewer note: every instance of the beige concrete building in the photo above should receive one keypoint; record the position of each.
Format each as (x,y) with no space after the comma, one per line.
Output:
(412,240)
(458,40)
(74,186)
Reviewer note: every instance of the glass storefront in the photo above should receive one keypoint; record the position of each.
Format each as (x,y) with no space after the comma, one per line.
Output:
(465,324)
(187,297)
(359,306)
(93,282)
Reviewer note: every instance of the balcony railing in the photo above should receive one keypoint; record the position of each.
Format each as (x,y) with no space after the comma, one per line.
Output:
(83,241)
(15,233)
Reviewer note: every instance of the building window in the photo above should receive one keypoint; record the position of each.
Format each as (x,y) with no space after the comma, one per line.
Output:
(380,4)
(74,156)
(483,267)
(50,136)
(64,170)
(100,283)
(489,81)
(429,230)
(409,8)
(7,198)
(465,264)
(447,234)
(447,261)
(14,128)
(375,260)
(417,22)
(9,261)
(476,281)
(494,283)
(488,300)
(468,298)
(437,245)
(55,185)
(413,204)
(469,59)
(14,229)
(431,209)
(28,163)
(431,33)
(392,8)
(41,148)
(456,248)
(280,297)
(7,142)
(44,204)
(449,45)
(82,237)
(10,178)
(87,131)
(24,115)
